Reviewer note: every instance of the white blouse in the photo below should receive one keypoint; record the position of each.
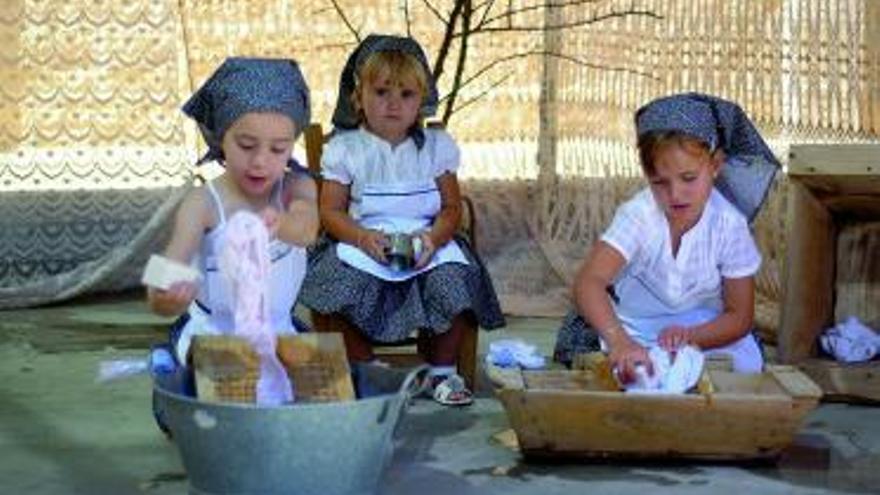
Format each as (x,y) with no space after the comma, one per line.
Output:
(654,284)
(361,159)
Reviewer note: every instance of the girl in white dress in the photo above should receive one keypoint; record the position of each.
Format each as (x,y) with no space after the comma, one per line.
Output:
(679,256)
(384,173)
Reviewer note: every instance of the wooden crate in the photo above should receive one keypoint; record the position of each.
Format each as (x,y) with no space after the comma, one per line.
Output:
(831,265)
(734,416)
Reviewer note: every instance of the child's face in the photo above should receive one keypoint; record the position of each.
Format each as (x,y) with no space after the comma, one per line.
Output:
(256,148)
(682,181)
(390,108)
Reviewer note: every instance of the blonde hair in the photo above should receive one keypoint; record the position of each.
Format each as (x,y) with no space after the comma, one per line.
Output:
(398,67)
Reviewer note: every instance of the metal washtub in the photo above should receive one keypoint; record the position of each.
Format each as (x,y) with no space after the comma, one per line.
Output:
(322,448)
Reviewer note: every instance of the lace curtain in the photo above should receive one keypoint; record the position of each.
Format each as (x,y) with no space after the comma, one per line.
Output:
(94,153)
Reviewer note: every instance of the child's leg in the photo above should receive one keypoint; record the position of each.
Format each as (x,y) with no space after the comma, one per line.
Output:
(449,388)
(443,349)
(357,346)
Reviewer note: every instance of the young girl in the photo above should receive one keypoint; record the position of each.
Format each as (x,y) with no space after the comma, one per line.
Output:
(250,112)
(384,173)
(679,255)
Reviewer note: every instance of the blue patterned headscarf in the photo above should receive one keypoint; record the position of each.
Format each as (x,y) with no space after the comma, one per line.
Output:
(750,166)
(344,116)
(243,85)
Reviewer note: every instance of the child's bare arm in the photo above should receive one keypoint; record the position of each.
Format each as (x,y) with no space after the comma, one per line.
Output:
(190,222)
(731,325)
(299,224)
(335,218)
(597,273)
(447,221)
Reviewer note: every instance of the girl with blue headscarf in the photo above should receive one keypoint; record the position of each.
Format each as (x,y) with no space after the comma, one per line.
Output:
(679,256)
(386,176)
(250,112)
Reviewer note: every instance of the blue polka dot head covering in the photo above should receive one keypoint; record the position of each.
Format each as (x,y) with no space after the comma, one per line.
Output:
(345,116)
(749,167)
(241,85)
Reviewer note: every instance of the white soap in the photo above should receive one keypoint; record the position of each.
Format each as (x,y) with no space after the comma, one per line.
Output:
(162,272)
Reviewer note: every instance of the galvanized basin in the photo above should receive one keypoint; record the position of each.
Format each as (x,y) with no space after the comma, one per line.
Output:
(327,448)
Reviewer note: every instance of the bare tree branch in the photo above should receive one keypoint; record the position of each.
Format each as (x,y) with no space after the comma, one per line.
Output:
(482,94)
(569,58)
(446,44)
(434,10)
(487,7)
(565,25)
(348,24)
(511,12)
(466,13)
(406,18)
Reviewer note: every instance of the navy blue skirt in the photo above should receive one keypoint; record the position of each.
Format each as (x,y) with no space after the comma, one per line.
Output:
(575,336)
(388,311)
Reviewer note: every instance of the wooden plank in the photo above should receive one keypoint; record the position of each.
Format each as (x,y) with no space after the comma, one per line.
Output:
(226,369)
(808,273)
(847,382)
(317,364)
(728,426)
(857,285)
(794,382)
(834,159)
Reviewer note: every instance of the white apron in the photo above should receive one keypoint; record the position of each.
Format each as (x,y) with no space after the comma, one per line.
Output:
(398,208)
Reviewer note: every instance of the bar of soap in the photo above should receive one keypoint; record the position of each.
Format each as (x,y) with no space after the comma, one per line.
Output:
(162,272)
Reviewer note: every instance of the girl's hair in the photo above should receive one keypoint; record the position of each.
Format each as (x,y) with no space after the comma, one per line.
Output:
(398,67)
(651,143)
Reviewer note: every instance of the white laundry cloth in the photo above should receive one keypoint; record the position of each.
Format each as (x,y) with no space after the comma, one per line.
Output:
(508,353)
(672,375)
(244,265)
(850,341)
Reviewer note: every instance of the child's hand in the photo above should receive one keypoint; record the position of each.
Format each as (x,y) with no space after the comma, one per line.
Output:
(675,337)
(272,219)
(374,243)
(173,301)
(427,250)
(625,356)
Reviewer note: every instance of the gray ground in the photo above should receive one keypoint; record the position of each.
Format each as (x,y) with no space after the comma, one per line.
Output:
(61,432)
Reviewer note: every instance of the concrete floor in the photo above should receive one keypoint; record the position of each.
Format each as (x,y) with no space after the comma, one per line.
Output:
(63,433)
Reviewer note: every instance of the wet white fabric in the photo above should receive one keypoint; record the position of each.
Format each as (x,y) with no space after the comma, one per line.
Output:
(212,313)
(745,352)
(851,341)
(245,266)
(673,374)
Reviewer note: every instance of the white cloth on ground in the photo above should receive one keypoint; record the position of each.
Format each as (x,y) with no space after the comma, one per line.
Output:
(508,353)
(673,374)
(851,341)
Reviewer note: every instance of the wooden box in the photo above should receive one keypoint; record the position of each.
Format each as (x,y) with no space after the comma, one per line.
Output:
(573,413)
(832,264)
